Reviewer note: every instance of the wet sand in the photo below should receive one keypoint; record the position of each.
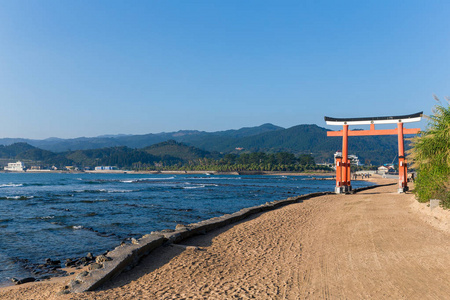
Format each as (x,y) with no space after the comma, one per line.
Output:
(376,244)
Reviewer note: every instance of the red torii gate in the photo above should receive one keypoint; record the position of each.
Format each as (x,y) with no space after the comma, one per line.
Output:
(343,182)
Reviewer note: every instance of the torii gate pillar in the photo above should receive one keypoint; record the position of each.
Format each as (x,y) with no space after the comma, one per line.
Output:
(402,165)
(343,176)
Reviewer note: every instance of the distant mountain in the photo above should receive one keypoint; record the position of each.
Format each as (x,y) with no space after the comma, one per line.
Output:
(250,131)
(136,141)
(114,156)
(178,150)
(166,153)
(300,139)
(26,152)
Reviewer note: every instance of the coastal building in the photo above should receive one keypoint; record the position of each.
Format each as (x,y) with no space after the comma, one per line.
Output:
(354,160)
(15,167)
(105,168)
(386,169)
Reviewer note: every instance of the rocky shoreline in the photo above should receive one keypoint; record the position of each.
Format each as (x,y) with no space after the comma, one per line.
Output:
(56,268)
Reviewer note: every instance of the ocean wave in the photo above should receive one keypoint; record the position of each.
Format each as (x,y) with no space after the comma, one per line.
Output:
(141,180)
(120,191)
(38,184)
(194,187)
(17,198)
(91,191)
(214,178)
(10,185)
(197,186)
(104,191)
(94,201)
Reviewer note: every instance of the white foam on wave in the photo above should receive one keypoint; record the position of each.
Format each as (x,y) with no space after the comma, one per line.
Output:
(214,178)
(119,191)
(146,179)
(11,185)
(19,197)
(77,227)
(104,191)
(194,187)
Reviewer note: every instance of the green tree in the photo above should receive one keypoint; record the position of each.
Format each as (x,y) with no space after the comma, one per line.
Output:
(431,157)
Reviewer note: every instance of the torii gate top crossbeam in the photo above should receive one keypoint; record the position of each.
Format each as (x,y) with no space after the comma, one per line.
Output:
(375,120)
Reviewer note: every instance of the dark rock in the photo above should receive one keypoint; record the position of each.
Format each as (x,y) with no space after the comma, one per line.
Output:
(70,262)
(24,280)
(89,256)
(50,262)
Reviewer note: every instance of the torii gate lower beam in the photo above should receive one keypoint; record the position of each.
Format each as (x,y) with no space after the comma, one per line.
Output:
(343,181)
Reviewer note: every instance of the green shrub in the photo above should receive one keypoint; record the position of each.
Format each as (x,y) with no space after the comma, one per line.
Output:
(431,157)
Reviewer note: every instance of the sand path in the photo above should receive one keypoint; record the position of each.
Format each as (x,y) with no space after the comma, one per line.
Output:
(371,245)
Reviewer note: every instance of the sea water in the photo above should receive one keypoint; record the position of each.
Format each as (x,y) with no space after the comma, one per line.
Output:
(61,216)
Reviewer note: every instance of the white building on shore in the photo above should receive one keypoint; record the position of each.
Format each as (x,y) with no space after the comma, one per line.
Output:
(15,167)
(105,168)
(354,160)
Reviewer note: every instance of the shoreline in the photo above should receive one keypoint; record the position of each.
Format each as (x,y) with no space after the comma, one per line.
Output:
(166,272)
(274,173)
(69,270)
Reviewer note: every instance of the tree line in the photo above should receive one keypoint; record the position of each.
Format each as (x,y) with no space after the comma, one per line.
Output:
(168,155)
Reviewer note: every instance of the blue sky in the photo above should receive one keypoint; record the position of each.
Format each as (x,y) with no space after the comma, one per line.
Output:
(87,68)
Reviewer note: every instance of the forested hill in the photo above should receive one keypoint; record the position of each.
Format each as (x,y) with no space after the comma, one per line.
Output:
(301,139)
(191,137)
(168,153)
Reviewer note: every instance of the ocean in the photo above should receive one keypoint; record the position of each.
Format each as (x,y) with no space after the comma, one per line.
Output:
(60,216)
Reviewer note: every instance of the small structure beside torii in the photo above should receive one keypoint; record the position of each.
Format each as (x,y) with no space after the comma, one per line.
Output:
(343,182)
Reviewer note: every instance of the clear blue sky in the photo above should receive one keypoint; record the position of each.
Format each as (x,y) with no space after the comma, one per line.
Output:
(87,68)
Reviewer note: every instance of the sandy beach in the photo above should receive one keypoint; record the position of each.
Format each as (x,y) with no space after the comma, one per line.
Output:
(375,244)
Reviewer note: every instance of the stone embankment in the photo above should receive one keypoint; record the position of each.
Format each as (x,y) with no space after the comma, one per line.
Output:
(126,256)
